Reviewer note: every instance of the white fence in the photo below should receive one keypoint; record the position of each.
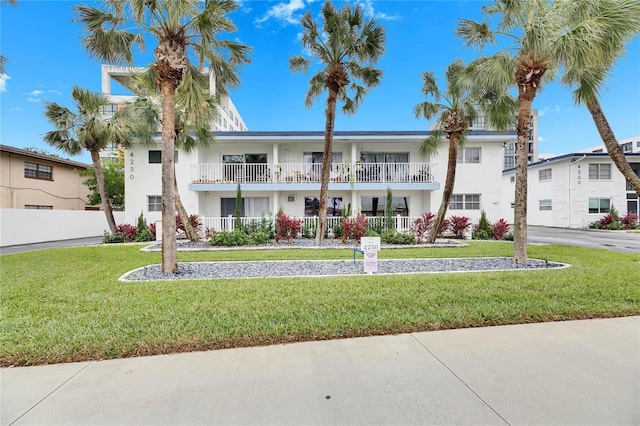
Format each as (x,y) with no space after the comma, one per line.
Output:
(25,226)
(400,223)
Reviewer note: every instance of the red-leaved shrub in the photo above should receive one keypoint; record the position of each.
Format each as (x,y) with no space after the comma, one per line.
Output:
(500,229)
(630,220)
(458,225)
(194,219)
(422,225)
(287,228)
(152,228)
(607,220)
(354,229)
(127,231)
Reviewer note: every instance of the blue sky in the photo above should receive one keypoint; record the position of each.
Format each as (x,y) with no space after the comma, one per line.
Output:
(46,60)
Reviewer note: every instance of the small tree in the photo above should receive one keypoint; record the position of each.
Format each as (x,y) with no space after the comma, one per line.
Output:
(238,224)
(389,210)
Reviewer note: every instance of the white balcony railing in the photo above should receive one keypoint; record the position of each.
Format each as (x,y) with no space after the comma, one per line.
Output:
(305,172)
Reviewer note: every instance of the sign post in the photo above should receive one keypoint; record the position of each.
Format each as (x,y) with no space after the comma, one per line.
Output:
(370,246)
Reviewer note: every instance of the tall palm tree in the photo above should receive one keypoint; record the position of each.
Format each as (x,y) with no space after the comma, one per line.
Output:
(533,26)
(597,34)
(180,27)
(86,129)
(195,110)
(347,46)
(456,107)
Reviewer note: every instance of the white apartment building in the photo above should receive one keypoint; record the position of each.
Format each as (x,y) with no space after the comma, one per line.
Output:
(574,190)
(281,170)
(116,86)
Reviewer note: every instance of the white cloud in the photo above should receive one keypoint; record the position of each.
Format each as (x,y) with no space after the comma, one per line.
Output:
(284,12)
(55,92)
(3,82)
(367,6)
(541,139)
(543,111)
(36,93)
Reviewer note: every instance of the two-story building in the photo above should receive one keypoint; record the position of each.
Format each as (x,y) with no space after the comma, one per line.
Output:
(281,171)
(30,180)
(576,189)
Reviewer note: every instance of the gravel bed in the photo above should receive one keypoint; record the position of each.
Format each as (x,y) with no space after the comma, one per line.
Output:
(288,268)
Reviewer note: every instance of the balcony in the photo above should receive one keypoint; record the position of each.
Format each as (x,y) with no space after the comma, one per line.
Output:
(290,176)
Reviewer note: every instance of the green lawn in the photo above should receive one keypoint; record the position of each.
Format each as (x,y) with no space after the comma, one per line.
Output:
(65,305)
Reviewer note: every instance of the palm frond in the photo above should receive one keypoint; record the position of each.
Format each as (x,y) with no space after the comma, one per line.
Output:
(429,146)
(475,34)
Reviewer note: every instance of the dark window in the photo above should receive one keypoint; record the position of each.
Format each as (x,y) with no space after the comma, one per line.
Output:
(155,156)
(38,171)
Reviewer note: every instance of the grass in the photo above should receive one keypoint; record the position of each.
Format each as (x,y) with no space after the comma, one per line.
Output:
(64,305)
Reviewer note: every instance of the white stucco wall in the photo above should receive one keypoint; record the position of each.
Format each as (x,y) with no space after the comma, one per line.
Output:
(25,226)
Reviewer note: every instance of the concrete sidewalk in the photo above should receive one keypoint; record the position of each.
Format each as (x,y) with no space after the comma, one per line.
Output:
(574,372)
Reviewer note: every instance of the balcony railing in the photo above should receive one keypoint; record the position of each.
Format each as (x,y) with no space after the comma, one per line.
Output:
(305,172)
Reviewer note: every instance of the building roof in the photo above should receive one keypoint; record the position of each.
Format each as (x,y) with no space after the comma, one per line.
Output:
(362,133)
(563,157)
(36,155)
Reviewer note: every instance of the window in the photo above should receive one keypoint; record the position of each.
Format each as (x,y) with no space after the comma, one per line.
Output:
(469,155)
(38,171)
(224,123)
(627,147)
(465,202)
(155,203)
(512,179)
(545,205)
(376,206)
(599,171)
(249,207)
(109,109)
(544,174)
(599,205)
(478,122)
(598,150)
(638,144)
(155,157)
(312,205)
(510,148)
(509,162)
(37,207)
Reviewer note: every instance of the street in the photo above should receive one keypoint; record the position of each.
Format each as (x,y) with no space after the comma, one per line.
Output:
(626,242)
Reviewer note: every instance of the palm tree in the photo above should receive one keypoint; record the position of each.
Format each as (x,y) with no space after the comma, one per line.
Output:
(533,27)
(195,111)
(456,107)
(180,27)
(596,37)
(347,46)
(86,129)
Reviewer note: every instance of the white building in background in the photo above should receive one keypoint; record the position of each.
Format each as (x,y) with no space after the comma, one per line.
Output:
(116,84)
(574,190)
(627,145)
(281,170)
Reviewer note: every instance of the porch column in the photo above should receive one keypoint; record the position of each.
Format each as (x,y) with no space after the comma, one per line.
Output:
(354,202)
(276,202)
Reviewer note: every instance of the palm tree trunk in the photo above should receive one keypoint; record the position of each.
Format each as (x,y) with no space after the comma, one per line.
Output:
(188,228)
(102,188)
(326,163)
(169,247)
(525,99)
(454,139)
(613,148)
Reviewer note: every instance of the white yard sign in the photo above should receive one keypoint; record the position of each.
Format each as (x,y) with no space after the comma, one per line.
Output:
(370,246)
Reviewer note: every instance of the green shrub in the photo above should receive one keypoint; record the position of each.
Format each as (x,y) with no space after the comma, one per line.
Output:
(371,233)
(508,237)
(229,239)
(143,235)
(480,234)
(110,238)
(393,237)
(259,238)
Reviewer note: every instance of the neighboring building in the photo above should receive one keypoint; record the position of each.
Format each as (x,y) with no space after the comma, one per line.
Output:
(30,180)
(627,145)
(573,190)
(510,148)
(281,170)
(229,119)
